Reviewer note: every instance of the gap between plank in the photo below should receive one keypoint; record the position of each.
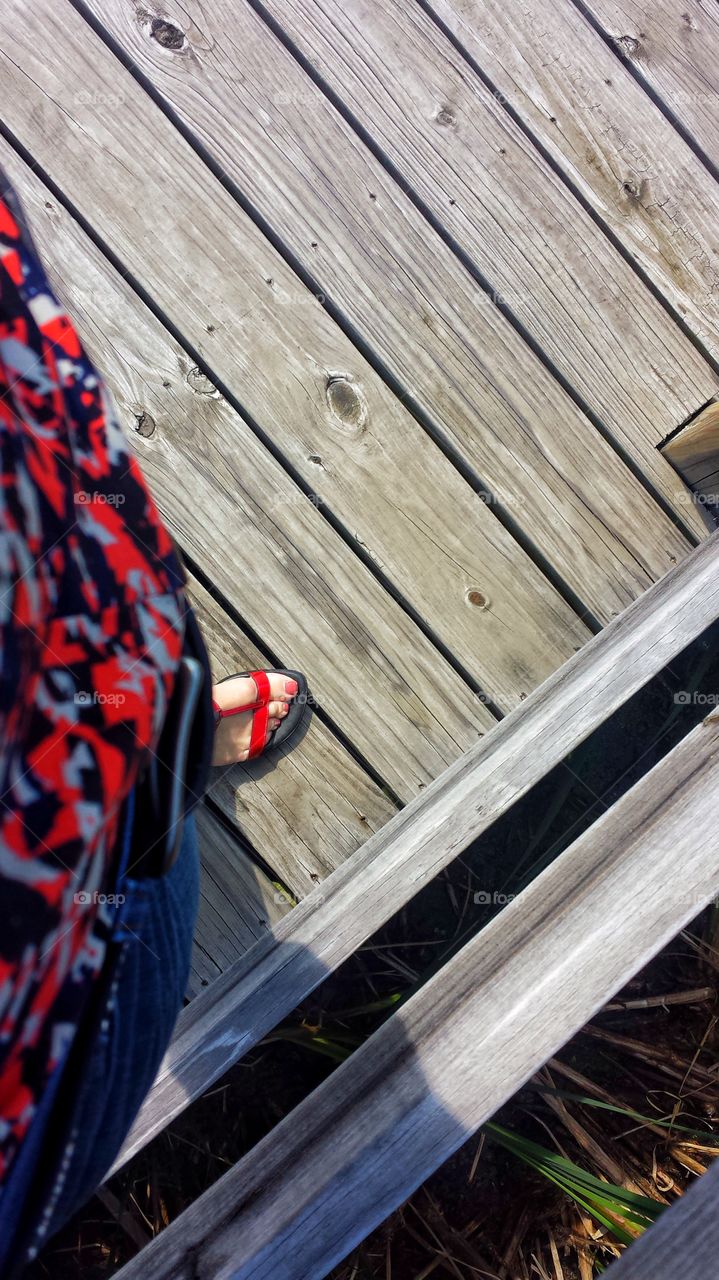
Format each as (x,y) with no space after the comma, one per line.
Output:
(423,419)
(469,265)
(236,617)
(569,597)
(589,209)
(649,89)
(238,836)
(690,418)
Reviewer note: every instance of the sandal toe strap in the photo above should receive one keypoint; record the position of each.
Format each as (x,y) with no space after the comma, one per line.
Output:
(260,711)
(261,715)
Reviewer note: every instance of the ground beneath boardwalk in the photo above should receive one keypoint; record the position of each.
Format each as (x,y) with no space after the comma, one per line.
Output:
(632,1102)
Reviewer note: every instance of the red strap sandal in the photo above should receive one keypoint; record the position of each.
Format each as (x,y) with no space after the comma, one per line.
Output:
(293,722)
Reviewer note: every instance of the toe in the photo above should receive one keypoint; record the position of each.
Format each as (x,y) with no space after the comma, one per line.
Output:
(283,688)
(278,709)
(238,692)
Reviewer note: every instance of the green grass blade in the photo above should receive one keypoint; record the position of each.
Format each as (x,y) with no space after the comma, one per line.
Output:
(702,1135)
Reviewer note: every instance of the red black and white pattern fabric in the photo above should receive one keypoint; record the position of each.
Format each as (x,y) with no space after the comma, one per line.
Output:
(91,632)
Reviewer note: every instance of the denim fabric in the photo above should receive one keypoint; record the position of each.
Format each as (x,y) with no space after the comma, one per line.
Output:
(15,1194)
(101,1093)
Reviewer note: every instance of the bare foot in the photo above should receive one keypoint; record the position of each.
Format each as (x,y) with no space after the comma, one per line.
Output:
(232,734)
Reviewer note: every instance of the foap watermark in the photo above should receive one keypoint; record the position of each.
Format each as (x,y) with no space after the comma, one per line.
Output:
(85,898)
(694,902)
(283,898)
(294,298)
(495,898)
(501,298)
(498,500)
(699,499)
(83,498)
(86,698)
(297,499)
(98,98)
(294,99)
(693,698)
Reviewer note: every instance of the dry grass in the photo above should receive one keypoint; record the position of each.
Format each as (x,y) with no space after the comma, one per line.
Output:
(632,1100)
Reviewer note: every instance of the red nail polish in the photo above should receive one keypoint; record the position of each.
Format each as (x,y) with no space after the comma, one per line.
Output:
(291,686)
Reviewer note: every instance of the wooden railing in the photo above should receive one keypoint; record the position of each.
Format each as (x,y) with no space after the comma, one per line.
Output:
(439,1067)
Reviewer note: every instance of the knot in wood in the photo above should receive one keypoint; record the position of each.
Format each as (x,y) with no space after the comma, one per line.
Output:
(144,423)
(629,44)
(199,382)
(477,598)
(446,117)
(167,34)
(346,402)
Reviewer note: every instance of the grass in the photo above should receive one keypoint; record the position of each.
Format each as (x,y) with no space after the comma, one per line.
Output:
(564,1178)
(624,1214)
(610,1213)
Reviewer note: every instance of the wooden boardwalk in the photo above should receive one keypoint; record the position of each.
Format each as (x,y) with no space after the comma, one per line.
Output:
(412,311)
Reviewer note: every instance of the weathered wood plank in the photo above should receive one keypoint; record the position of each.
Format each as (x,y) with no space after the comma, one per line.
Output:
(358,1146)
(684,1242)
(306,809)
(236,512)
(268,339)
(643,181)
(694,452)
(362,239)
(374,883)
(675,47)
(473,166)
(238,902)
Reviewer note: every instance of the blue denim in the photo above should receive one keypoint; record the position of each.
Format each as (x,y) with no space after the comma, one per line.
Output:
(99,1096)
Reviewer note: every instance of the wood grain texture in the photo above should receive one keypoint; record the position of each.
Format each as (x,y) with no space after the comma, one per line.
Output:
(235,510)
(607,135)
(304,809)
(694,451)
(238,902)
(392,866)
(268,339)
(358,1146)
(675,48)
(684,1242)
(374,256)
(485,182)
